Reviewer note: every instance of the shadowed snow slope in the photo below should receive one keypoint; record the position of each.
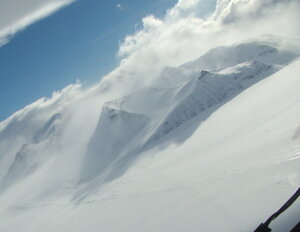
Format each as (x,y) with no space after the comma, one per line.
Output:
(31,156)
(152,113)
(223,57)
(202,148)
(114,134)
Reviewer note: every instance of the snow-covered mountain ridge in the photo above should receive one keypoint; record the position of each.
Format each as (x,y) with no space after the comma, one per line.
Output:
(220,58)
(165,151)
(159,111)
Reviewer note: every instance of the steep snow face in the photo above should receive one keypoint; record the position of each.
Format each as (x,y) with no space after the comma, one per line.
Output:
(32,155)
(211,126)
(170,107)
(152,113)
(48,129)
(243,156)
(20,156)
(114,135)
(220,58)
(200,96)
(32,124)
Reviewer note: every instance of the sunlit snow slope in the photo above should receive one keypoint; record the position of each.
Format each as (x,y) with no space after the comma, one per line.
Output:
(212,145)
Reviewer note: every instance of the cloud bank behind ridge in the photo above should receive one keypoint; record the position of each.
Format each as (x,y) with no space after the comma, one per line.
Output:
(186,31)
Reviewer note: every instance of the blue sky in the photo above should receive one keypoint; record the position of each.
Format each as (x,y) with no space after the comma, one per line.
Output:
(80,41)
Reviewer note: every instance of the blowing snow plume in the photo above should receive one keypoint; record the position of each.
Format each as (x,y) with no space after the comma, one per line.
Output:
(201,104)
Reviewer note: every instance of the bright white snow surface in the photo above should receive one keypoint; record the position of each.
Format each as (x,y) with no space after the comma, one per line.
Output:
(212,144)
(215,148)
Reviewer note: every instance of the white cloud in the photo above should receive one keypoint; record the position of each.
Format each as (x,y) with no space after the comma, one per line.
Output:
(232,11)
(16,15)
(119,6)
(184,33)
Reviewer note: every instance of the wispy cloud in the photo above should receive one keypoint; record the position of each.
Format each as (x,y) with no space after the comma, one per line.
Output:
(119,6)
(183,34)
(14,19)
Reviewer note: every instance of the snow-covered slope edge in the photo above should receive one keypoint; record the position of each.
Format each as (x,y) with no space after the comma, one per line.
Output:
(243,157)
(199,95)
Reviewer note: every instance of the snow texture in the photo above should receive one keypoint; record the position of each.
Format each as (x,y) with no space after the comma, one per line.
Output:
(211,145)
